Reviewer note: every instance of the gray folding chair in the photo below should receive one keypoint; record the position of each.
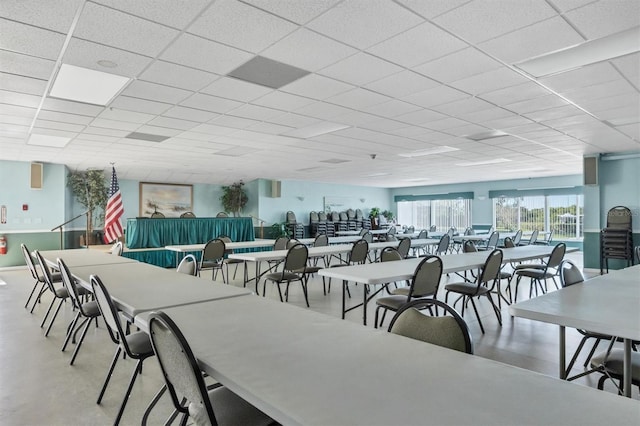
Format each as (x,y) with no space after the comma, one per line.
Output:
(188,265)
(38,277)
(293,270)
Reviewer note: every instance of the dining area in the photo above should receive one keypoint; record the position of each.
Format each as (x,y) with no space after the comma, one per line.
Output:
(287,360)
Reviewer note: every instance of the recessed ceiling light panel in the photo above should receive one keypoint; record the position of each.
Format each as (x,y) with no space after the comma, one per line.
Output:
(482,163)
(315,130)
(48,140)
(490,134)
(85,85)
(431,151)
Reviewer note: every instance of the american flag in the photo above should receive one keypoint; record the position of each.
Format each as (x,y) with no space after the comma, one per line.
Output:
(114,211)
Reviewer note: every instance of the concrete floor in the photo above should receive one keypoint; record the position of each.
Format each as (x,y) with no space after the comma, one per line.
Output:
(38,387)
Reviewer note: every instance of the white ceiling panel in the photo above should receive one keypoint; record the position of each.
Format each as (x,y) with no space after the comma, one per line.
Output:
(29,66)
(210,103)
(232,88)
(402,84)
(86,54)
(204,54)
(114,124)
(431,8)
(293,120)
(240,25)
(302,13)
(139,105)
(363,23)
(70,107)
(155,92)
(113,28)
(190,114)
(360,69)
(392,108)
(586,76)
(294,50)
(174,75)
(56,125)
(123,115)
(20,84)
(417,45)
(358,99)
(323,110)
(30,40)
(517,93)
(55,16)
(537,39)
(436,96)
(317,87)
(458,65)
(19,99)
(605,17)
(282,101)
(489,81)
(255,112)
(173,14)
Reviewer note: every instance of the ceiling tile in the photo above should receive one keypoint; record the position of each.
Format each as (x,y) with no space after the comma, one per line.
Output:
(20,84)
(29,66)
(436,96)
(29,40)
(283,101)
(86,54)
(520,92)
(581,77)
(489,81)
(139,105)
(20,99)
(155,92)
(56,125)
(605,17)
(173,14)
(323,110)
(255,112)
(420,117)
(458,65)
(190,114)
(360,69)
(55,16)
(363,23)
(239,25)
(392,108)
(431,8)
(232,88)
(174,75)
(302,12)
(294,50)
(123,115)
(71,107)
(64,117)
(293,120)
(358,99)
(417,45)
(629,65)
(537,104)
(114,124)
(316,87)
(220,59)
(537,39)
(113,28)
(402,84)
(210,103)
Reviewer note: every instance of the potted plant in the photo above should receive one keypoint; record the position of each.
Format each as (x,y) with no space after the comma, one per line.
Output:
(388,214)
(234,198)
(89,188)
(374,215)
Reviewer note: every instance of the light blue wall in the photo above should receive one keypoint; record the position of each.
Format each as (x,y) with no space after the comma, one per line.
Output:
(482,208)
(303,197)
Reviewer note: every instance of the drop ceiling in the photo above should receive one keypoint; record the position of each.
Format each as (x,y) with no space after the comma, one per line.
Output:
(414,83)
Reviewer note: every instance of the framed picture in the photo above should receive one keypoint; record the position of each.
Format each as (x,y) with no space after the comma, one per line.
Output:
(167,198)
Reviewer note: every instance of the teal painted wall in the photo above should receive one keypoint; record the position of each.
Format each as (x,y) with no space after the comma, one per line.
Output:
(482,208)
(618,185)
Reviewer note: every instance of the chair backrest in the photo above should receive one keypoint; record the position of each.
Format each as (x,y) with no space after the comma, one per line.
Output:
(157,215)
(450,232)
(534,237)
(313,217)
(469,231)
(550,237)
(187,215)
(392,230)
(448,331)
(30,264)
(213,250)
(637,251)
(404,246)
(116,249)
(570,274)
(46,272)
(69,283)
(557,254)
(188,265)
(493,239)
(292,242)
(334,216)
(443,245)
(222,214)
(368,237)
(491,268)
(180,369)
(291,217)
(321,241)
(343,216)
(362,232)
(426,278)
(423,234)
(296,257)
(517,237)
(322,216)
(390,254)
(469,247)
(410,230)
(433,228)
(281,243)
(109,313)
(509,243)
(359,214)
(359,252)
(391,237)
(351,214)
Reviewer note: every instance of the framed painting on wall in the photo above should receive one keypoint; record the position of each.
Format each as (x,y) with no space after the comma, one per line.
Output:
(167,198)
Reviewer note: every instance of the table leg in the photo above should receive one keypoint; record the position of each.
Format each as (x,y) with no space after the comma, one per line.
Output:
(364,305)
(257,279)
(563,350)
(344,291)
(627,368)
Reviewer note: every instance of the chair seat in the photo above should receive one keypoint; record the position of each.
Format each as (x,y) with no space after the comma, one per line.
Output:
(233,261)
(530,266)
(312,269)
(62,293)
(139,343)
(282,276)
(505,275)
(401,291)
(615,361)
(55,277)
(466,288)
(230,409)
(210,264)
(91,309)
(536,273)
(392,302)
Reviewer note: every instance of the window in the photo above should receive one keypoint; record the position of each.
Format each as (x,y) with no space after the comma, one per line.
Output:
(442,213)
(560,214)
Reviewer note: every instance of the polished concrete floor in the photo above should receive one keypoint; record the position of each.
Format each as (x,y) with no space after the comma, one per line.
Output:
(38,387)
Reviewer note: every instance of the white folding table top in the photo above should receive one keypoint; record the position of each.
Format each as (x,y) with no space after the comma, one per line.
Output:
(138,287)
(230,246)
(264,256)
(305,368)
(83,257)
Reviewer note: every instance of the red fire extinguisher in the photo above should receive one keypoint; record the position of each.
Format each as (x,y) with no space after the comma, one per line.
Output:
(3,244)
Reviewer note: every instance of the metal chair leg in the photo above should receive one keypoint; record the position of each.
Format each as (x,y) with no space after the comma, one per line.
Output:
(53,318)
(84,333)
(106,380)
(136,371)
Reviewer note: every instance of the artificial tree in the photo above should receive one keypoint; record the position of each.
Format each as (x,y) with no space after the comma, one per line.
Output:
(234,198)
(89,188)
